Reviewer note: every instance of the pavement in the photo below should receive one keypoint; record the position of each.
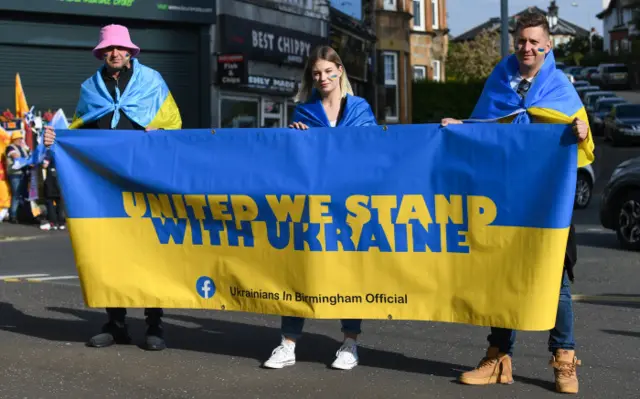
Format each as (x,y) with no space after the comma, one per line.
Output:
(44,325)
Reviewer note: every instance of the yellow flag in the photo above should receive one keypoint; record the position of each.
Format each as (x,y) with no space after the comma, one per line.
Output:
(21,100)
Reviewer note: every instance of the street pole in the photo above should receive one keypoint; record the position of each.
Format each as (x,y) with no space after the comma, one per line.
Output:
(504,31)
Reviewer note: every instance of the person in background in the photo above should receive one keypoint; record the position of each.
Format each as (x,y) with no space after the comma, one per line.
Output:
(5,191)
(18,168)
(325,100)
(529,80)
(124,95)
(53,199)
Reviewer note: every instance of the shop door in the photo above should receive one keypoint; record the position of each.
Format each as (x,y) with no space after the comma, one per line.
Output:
(272,112)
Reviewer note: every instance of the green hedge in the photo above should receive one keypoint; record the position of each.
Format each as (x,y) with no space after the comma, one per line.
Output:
(433,101)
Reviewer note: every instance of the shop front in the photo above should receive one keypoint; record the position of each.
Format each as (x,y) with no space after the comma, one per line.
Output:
(49,43)
(259,64)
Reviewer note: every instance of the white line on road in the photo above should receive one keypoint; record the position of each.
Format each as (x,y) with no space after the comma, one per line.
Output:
(22,276)
(53,278)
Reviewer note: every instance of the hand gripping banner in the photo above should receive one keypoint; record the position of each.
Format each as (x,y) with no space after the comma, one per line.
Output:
(463,224)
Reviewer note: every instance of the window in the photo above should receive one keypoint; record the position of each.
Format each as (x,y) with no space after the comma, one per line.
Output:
(390,5)
(436,70)
(419,72)
(434,14)
(418,15)
(238,112)
(391,86)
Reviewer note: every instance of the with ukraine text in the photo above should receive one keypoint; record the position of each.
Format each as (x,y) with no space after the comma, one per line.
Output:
(316,223)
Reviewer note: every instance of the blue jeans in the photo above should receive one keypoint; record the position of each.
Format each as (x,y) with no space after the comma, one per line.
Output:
(18,185)
(561,337)
(292,326)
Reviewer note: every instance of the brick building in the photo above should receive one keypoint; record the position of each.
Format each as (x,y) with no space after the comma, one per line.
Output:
(429,39)
(394,60)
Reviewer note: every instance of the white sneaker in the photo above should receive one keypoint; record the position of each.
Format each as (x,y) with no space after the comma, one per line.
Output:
(45,226)
(282,356)
(346,356)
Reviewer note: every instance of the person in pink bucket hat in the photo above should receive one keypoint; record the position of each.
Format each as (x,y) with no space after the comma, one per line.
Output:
(124,95)
(115,36)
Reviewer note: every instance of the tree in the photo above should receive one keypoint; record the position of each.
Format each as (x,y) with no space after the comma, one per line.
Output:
(577,48)
(474,59)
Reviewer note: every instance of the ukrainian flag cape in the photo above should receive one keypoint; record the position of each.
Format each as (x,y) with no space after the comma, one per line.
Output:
(146,100)
(357,112)
(551,99)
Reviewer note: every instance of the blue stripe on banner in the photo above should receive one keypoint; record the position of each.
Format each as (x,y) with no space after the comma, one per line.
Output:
(523,169)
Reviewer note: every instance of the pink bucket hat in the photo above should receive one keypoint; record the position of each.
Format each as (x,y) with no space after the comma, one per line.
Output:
(115,35)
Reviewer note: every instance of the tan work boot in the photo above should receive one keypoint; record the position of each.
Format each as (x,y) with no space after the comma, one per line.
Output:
(564,367)
(494,368)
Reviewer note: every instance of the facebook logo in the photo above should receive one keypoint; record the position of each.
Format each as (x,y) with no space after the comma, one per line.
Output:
(205,287)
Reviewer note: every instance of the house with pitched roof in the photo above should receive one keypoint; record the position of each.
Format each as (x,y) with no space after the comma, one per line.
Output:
(562,30)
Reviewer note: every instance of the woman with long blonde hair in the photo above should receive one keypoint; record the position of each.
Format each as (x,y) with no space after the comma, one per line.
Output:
(325,99)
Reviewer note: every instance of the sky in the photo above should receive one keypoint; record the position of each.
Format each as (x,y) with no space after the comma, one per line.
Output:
(466,14)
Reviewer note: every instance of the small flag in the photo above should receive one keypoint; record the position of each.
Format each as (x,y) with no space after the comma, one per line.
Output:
(21,100)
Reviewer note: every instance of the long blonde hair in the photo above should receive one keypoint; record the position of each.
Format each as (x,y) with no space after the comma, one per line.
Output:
(321,53)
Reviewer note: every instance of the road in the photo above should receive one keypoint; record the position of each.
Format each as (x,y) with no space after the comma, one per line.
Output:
(44,325)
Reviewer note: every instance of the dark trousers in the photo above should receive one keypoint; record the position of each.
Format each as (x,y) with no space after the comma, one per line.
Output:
(560,337)
(55,212)
(18,185)
(153,315)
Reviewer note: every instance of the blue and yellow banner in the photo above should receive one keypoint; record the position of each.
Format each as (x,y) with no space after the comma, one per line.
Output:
(463,224)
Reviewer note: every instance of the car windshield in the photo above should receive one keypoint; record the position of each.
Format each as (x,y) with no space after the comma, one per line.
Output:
(606,105)
(616,69)
(628,111)
(593,97)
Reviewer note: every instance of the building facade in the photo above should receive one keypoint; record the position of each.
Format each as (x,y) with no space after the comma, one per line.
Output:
(393,30)
(49,43)
(429,39)
(618,28)
(355,42)
(259,51)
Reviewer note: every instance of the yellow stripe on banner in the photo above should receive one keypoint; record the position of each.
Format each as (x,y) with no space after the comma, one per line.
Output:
(511,278)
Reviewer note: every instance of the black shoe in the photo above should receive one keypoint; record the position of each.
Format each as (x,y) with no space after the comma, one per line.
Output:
(112,333)
(155,339)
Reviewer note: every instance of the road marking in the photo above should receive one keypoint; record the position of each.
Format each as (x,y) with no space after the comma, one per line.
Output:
(52,278)
(18,276)
(606,298)
(14,239)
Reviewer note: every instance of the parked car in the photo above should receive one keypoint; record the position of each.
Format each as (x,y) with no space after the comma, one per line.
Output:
(570,77)
(560,65)
(613,75)
(586,89)
(593,96)
(620,204)
(574,70)
(602,108)
(580,83)
(585,73)
(584,187)
(622,125)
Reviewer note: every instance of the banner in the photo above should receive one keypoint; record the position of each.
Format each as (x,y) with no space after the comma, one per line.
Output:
(463,224)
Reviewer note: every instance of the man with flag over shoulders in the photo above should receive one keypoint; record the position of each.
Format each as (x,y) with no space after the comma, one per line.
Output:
(125,95)
(526,87)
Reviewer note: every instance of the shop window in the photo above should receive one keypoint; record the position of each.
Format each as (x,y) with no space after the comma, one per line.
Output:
(419,72)
(238,112)
(391,86)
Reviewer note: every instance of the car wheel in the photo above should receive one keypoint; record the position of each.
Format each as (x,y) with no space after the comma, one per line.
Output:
(584,189)
(628,221)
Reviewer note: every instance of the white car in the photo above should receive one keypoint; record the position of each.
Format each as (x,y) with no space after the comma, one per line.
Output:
(584,187)
(570,77)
